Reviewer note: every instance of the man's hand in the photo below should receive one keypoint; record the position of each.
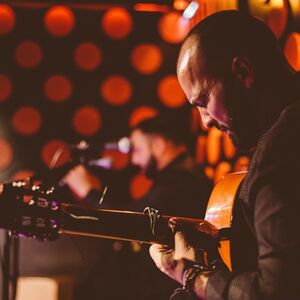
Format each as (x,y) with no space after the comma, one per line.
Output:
(174,262)
(79,181)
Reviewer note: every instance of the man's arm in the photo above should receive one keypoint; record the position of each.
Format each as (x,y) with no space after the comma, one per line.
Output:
(278,239)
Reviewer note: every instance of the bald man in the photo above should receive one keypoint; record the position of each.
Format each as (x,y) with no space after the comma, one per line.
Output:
(233,70)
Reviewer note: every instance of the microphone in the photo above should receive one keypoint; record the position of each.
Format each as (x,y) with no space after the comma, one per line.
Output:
(122,145)
(87,154)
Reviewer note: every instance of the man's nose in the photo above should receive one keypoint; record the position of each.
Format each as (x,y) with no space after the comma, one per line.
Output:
(205,117)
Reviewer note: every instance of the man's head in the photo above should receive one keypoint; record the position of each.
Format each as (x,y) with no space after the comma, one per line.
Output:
(155,143)
(225,64)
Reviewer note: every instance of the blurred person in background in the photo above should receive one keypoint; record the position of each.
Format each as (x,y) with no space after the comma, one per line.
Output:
(179,188)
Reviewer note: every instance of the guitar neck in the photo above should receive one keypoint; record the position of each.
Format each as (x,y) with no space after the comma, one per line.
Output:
(114,224)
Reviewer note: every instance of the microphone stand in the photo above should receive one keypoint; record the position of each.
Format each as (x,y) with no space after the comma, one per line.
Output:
(10,266)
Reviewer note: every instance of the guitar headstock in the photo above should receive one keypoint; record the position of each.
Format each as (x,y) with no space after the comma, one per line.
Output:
(26,209)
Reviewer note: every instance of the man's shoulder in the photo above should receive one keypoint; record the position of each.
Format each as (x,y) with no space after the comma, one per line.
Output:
(284,134)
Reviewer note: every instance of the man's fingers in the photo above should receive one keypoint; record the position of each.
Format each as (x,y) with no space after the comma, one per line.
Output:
(162,256)
(182,247)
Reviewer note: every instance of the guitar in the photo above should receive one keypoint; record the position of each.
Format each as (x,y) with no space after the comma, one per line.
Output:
(28,210)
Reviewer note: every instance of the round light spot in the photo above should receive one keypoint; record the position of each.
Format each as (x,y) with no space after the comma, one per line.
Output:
(5,87)
(213,150)
(180,4)
(146,58)
(119,160)
(196,121)
(277,20)
(173,28)
(139,186)
(28,54)
(292,50)
(22,174)
(7,154)
(241,164)
(228,147)
(201,149)
(87,56)
(274,14)
(209,172)
(55,153)
(7,19)
(59,20)
(27,120)
(116,90)
(222,169)
(87,120)
(141,113)
(170,92)
(117,23)
(58,88)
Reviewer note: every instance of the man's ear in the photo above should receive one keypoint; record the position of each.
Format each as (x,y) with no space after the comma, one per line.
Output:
(243,70)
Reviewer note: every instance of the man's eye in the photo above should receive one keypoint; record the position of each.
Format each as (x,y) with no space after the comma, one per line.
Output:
(201,103)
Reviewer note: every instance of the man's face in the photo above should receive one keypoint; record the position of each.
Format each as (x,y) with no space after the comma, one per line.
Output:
(223,104)
(206,94)
(141,154)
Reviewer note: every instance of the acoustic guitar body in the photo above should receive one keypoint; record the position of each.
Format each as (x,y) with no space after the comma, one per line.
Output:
(219,210)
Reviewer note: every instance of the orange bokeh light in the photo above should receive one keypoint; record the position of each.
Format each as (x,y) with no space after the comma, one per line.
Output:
(28,54)
(274,14)
(58,88)
(150,7)
(292,50)
(117,23)
(5,87)
(241,164)
(87,120)
(173,28)
(87,56)
(119,160)
(213,145)
(141,113)
(201,149)
(55,153)
(180,4)
(59,20)
(27,120)
(116,90)
(228,147)
(221,170)
(7,154)
(277,20)
(196,121)
(146,58)
(209,172)
(170,92)
(7,19)
(22,174)
(139,186)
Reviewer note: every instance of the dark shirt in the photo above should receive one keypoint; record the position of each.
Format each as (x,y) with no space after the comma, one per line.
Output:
(270,197)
